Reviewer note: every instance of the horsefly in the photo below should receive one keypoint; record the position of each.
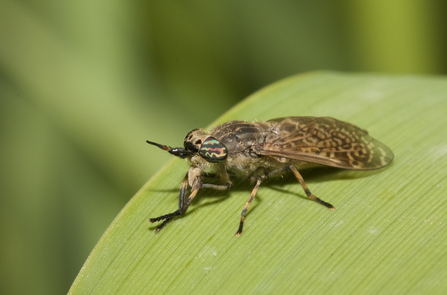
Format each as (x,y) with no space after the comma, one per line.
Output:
(262,150)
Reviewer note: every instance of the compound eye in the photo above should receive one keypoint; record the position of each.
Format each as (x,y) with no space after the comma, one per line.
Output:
(213,150)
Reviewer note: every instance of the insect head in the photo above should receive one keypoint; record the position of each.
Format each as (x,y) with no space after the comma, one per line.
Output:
(210,149)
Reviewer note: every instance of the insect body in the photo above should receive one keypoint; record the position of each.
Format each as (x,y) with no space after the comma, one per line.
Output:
(262,150)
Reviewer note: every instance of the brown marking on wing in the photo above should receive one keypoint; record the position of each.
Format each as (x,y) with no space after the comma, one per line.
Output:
(326,141)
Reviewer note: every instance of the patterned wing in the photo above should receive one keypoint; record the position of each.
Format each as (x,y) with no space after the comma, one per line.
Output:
(326,141)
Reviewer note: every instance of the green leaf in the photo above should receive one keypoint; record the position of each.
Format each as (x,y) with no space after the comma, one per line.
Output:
(386,236)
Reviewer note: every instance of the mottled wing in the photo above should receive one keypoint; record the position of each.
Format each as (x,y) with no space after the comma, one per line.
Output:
(326,141)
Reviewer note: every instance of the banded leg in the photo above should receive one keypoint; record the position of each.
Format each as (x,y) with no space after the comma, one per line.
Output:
(183,206)
(307,191)
(252,196)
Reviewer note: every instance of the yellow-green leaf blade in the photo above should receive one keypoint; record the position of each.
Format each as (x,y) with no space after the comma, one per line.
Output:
(387,234)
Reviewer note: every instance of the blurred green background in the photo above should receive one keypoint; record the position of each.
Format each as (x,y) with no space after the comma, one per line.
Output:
(83,84)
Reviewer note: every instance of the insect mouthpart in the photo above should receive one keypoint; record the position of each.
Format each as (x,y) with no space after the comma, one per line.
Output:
(191,147)
(178,152)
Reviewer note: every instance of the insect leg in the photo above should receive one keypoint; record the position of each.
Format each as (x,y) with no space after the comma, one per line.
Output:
(220,187)
(278,171)
(252,196)
(307,191)
(183,187)
(183,206)
(224,177)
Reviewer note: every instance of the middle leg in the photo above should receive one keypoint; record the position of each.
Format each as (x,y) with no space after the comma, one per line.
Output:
(252,196)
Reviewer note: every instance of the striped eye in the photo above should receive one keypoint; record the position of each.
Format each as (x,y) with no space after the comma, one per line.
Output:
(213,150)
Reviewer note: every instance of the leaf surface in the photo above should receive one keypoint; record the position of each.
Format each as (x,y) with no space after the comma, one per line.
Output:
(386,236)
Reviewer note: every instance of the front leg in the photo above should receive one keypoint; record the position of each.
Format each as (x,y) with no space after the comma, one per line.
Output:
(183,206)
(223,175)
(220,187)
